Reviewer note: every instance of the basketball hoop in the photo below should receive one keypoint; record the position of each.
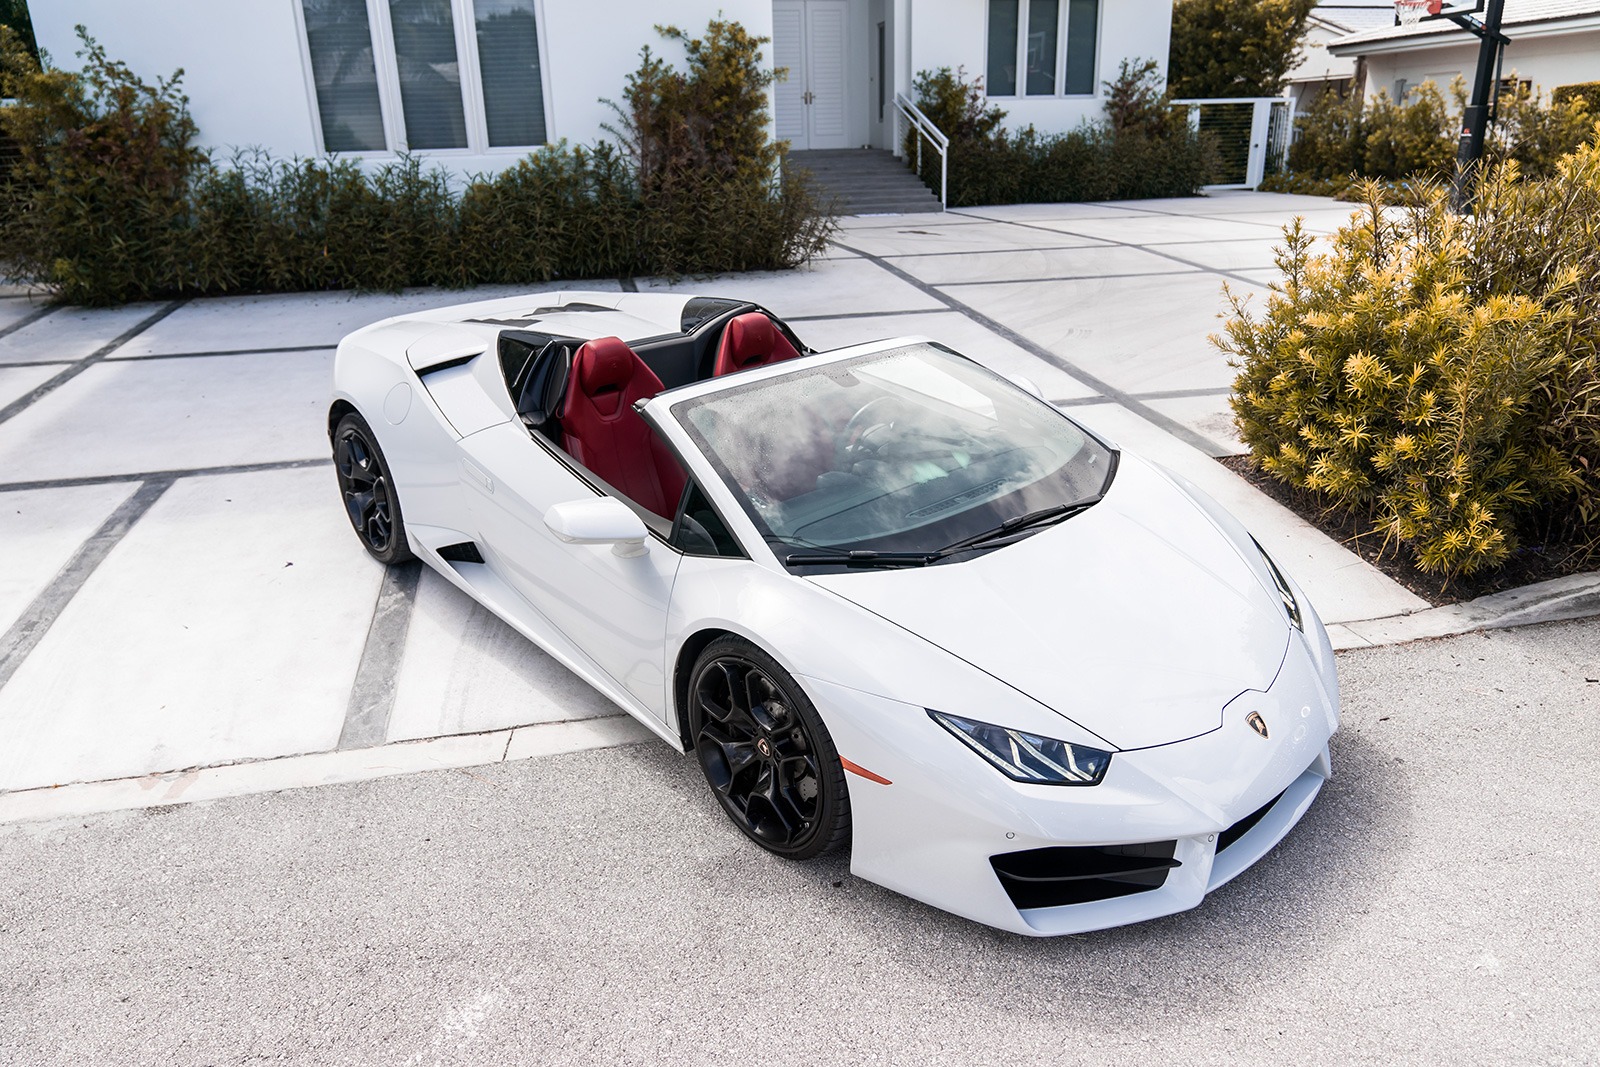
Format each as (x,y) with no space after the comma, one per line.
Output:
(1410,12)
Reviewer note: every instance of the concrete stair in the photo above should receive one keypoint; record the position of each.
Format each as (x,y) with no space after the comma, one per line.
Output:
(867,181)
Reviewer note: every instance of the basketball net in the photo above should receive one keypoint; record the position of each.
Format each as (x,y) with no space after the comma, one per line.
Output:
(1410,12)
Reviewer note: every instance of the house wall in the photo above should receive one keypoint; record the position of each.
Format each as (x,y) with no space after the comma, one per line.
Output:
(954,34)
(245,71)
(1547,61)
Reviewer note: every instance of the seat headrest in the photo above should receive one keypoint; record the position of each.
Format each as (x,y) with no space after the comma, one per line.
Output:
(603,365)
(750,339)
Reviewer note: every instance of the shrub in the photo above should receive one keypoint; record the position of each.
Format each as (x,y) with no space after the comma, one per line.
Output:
(1142,149)
(1586,91)
(1438,373)
(1339,141)
(100,178)
(109,200)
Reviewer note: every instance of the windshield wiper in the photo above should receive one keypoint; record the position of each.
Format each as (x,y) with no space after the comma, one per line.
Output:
(861,558)
(1015,525)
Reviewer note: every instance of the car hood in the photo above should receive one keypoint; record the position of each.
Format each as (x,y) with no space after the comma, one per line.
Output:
(1136,619)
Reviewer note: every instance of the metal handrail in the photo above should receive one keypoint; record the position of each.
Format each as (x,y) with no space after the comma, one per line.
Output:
(925,130)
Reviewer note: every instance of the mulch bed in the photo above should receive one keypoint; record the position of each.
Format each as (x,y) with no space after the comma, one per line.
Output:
(1530,563)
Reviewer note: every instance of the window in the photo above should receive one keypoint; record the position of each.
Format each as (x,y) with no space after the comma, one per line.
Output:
(1042,47)
(435,75)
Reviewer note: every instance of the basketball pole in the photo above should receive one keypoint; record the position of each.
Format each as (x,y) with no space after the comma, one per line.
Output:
(1475,120)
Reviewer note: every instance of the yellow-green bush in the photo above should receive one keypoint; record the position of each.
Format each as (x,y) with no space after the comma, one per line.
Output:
(1438,372)
(1340,141)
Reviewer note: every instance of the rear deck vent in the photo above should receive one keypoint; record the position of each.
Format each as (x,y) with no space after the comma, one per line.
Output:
(1051,877)
(1242,827)
(462,552)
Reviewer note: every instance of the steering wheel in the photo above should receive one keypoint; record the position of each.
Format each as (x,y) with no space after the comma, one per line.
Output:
(872,418)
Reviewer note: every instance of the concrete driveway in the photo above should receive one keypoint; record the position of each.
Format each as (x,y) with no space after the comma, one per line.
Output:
(1437,905)
(186,613)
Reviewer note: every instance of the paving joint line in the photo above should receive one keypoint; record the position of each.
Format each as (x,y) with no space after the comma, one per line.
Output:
(27,320)
(1218,271)
(267,351)
(145,476)
(1072,278)
(24,635)
(45,388)
(1127,400)
(372,696)
(868,314)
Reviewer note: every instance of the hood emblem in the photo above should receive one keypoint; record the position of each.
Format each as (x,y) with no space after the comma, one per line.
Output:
(1257,723)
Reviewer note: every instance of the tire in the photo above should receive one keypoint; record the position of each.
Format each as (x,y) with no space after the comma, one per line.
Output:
(370,500)
(765,753)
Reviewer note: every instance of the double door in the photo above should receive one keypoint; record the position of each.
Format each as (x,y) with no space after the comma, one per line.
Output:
(808,37)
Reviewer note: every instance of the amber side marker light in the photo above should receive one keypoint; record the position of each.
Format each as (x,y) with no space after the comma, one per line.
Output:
(854,768)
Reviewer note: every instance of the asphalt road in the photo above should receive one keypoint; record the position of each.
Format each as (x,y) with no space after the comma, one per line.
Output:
(1438,905)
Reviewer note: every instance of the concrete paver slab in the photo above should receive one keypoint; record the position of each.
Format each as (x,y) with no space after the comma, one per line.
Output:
(15,309)
(1036,264)
(41,530)
(1341,585)
(1058,212)
(832,287)
(169,414)
(465,671)
(227,625)
(1140,334)
(1159,228)
(1209,416)
(981,236)
(18,381)
(71,333)
(291,320)
(951,328)
(1233,254)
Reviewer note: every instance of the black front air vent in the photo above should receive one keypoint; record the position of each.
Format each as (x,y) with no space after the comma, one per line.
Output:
(461,552)
(1242,827)
(1051,877)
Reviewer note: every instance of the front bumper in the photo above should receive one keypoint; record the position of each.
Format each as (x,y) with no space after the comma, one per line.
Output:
(932,834)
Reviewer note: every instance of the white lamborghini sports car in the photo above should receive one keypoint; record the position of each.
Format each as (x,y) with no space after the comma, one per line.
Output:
(888,598)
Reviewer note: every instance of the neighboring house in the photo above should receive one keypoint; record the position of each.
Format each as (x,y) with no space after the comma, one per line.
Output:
(475,84)
(1316,71)
(1553,43)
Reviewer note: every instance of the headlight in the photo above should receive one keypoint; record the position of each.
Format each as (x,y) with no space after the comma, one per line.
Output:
(1290,605)
(1028,757)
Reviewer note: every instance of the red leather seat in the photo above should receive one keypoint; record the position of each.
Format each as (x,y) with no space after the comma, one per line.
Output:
(600,429)
(750,340)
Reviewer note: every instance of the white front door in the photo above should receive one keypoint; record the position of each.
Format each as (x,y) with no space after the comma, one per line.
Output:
(808,37)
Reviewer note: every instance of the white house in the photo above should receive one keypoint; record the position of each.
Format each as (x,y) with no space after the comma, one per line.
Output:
(1316,71)
(475,84)
(1553,43)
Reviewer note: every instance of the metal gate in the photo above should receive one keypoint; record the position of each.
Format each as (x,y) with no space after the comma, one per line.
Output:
(1252,135)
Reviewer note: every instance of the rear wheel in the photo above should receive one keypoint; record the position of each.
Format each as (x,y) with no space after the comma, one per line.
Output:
(368,491)
(766,753)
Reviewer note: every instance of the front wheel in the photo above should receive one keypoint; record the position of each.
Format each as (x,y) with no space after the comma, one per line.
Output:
(766,753)
(368,491)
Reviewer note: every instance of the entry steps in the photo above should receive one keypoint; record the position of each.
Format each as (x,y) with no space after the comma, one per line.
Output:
(867,181)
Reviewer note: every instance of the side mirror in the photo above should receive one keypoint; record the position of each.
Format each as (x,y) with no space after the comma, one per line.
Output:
(601,521)
(1025,383)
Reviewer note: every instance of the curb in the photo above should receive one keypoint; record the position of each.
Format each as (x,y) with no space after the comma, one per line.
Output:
(318,768)
(1577,596)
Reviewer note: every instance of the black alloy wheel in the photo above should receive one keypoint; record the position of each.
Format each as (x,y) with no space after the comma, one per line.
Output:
(765,752)
(369,497)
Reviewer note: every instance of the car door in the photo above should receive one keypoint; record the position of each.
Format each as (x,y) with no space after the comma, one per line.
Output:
(612,607)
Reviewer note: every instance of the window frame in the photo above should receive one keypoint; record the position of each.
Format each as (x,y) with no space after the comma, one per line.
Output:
(463,16)
(1063,24)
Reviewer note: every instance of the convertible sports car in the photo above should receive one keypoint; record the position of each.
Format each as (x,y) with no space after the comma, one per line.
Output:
(885,596)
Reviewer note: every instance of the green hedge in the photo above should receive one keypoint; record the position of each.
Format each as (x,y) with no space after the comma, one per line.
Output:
(1141,150)
(1440,373)
(109,200)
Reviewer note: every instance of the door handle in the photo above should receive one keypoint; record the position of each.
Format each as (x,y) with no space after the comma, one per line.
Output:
(809,97)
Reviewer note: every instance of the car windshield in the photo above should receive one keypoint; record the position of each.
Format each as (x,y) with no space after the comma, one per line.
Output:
(906,450)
